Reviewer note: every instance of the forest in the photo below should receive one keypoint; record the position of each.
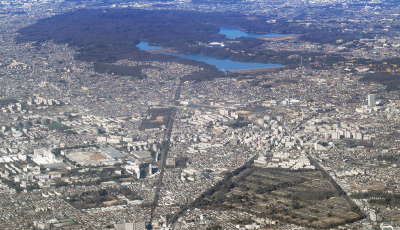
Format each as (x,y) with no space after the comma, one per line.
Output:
(103,37)
(391,81)
(303,197)
(379,198)
(101,198)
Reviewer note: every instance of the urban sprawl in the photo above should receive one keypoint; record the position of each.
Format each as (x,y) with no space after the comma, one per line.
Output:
(86,150)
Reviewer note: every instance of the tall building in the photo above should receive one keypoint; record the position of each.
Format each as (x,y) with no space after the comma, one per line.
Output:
(234,141)
(371,100)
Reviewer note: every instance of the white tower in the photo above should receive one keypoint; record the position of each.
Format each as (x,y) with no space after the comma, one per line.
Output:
(150,170)
(371,100)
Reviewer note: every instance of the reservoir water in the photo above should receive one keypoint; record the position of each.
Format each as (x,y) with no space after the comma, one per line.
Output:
(143,45)
(224,64)
(232,32)
(221,64)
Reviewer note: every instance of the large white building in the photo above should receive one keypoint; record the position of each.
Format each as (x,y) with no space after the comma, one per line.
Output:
(44,156)
(371,100)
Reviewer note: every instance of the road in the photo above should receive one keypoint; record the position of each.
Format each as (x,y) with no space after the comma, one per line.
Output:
(164,152)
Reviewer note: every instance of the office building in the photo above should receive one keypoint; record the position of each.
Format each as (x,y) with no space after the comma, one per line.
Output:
(371,100)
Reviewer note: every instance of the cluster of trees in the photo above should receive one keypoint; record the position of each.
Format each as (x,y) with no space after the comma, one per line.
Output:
(105,37)
(391,81)
(266,188)
(6,102)
(207,200)
(221,197)
(365,195)
(97,198)
(388,158)
(214,227)
(17,187)
(318,194)
(181,162)
(379,198)
(154,113)
(98,176)
(243,221)
(211,72)
(116,178)
(353,207)
(389,199)
(12,184)
(216,196)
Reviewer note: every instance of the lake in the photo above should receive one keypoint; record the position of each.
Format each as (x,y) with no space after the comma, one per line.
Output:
(232,32)
(221,64)
(143,45)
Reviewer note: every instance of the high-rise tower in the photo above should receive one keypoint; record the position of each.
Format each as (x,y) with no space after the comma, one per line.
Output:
(371,100)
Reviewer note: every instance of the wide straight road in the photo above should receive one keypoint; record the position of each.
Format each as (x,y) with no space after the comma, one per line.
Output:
(164,151)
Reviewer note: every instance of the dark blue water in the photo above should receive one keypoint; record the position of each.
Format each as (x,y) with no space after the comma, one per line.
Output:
(143,45)
(225,64)
(232,32)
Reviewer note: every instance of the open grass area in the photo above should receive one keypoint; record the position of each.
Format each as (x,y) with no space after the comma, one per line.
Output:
(57,126)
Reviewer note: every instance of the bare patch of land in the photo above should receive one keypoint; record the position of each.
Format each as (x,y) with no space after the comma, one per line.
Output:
(374,185)
(159,119)
(278,38)
(254,71)
(121,118)
(86,157)
(111,202)
(167,50)
(97,157)
(243,112)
